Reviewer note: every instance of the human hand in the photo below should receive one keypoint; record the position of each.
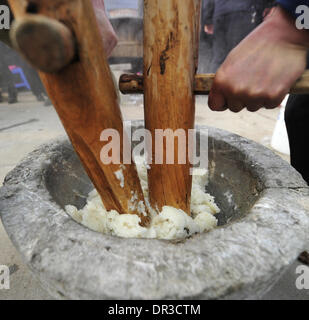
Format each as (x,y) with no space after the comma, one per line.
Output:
(108,34)
(260,71)
(209,28)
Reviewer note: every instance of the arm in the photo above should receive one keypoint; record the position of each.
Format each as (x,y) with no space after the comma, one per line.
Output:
(261,69)
(108,34)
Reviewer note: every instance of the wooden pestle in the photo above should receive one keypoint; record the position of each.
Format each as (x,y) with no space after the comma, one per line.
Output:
(80,85)
(170,54)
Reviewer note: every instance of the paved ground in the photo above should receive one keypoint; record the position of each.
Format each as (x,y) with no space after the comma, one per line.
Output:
(26,125)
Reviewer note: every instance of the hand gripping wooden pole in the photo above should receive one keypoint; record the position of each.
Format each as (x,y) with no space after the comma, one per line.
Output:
(81,88)
(170,60)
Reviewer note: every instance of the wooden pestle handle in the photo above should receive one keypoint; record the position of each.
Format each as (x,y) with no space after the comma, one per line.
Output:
(46,43)
(171,33)
(134,84)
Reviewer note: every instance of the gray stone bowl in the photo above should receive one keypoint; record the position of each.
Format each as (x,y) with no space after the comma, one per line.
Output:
(264,225)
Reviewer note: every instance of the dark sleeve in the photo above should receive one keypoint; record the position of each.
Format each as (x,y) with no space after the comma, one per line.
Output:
(208,11)
(291,5)
(270,3)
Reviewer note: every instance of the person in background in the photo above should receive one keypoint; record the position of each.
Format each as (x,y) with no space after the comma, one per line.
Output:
(230,21)
(296,120)
(6,76)
(35,83)
(205,45)
(141,8)
(9,57)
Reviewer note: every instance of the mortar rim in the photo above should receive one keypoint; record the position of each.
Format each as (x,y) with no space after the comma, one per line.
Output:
(21,184)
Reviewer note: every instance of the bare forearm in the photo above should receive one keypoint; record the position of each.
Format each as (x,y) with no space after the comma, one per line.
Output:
(108,33)
(98,4)
(284,28)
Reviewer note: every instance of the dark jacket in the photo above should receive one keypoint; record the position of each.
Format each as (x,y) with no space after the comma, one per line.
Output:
(291,5)
(215,8)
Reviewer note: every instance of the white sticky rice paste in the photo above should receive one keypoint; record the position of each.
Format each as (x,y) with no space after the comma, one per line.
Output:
(170,223)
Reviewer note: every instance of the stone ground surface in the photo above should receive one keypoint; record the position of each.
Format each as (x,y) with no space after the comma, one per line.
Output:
(28,124)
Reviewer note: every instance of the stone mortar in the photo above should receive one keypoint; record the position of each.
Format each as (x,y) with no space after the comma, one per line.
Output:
(263,228)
